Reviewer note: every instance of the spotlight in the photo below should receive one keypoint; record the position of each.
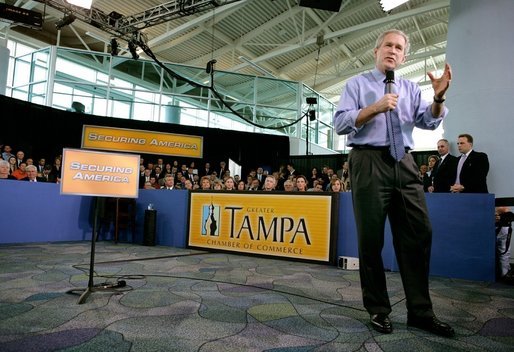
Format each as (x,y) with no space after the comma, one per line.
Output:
(114,47)
(210,66)
(81,3)
(311,100)
(388,5)
(132,48)
(66,20)
(113,18)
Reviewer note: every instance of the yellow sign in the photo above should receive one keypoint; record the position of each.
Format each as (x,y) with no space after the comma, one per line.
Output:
(293,226)
(90,173)
(140,141)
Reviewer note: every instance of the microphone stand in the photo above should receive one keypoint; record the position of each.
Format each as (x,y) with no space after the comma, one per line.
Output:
(90,286)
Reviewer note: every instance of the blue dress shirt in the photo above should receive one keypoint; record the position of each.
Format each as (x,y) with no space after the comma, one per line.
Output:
(362,91)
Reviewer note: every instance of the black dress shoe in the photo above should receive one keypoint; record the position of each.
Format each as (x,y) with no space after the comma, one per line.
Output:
(381,323)
(431,324)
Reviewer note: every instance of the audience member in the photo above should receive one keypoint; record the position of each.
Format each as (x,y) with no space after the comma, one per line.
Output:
(314,177)
(188,185)
(241,185)
(47,174)
(230,184)
(12,164)
(6,154)
(206,171)
(56,169)
(20,157)
(301,183)
(290,170)
(318,187)
(169,183)
(444,170)
(222,168)
(422,171)
(41,166)
(259,175)
(269,183)
(217,185)
(154,183)
(32,174)
(148,185)
(288,186)
(20,171)
(343,172)
(336,185)
(429,175)
(255,185)
(472,168)
(4,171)
(145,178)
(205,183)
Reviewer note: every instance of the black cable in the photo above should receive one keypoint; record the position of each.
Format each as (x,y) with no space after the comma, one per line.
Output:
(149,52)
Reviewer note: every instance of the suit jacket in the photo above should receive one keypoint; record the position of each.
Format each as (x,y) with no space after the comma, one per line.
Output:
(444,174)
(38,179)
(473,175)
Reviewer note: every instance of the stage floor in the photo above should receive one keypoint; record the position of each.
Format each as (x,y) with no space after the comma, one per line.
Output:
(185,300)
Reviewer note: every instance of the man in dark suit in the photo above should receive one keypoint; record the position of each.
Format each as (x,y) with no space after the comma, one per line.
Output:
(445,168)
(472,168)
(32,176)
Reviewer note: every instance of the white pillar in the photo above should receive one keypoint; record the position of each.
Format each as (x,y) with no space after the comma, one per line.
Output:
(481,99)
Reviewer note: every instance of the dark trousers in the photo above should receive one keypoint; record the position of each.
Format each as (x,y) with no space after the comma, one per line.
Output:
(384,188)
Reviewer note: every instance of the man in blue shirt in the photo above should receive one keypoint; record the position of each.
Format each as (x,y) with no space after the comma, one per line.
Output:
(385,182)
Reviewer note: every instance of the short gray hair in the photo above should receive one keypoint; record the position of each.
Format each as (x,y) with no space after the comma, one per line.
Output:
(4,163)
(381,37)
(30,168)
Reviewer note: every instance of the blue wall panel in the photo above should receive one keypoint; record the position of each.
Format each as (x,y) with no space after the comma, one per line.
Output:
(463,225)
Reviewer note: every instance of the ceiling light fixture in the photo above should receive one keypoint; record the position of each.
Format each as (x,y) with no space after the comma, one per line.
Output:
(81,3)
(388,5)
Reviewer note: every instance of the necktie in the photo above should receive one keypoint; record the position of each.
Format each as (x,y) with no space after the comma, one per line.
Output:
(394,132)
(459,168)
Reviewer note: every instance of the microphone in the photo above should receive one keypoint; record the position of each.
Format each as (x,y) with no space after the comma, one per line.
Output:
(210,66)
(389,81)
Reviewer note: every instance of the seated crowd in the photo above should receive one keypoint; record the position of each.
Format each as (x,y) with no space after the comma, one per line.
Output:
(159,174)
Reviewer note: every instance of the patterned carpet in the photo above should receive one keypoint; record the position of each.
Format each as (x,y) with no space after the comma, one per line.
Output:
(184,300)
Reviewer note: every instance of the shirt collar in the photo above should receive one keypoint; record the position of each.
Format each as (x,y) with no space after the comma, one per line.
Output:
(378,75)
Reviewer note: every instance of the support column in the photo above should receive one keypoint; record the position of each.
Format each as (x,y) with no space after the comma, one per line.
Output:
(481,51)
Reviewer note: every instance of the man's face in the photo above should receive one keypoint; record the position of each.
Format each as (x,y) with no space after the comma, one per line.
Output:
(269,184)
(464,145)
(20,155)
(4,169)
(442,148)
(42,162)
(32,174)
(391,52)
(168,181)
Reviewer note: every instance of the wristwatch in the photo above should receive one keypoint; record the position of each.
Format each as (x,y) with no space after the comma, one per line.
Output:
(439,101)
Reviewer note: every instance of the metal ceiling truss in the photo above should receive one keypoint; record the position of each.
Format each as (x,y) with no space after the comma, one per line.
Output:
(125,26)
